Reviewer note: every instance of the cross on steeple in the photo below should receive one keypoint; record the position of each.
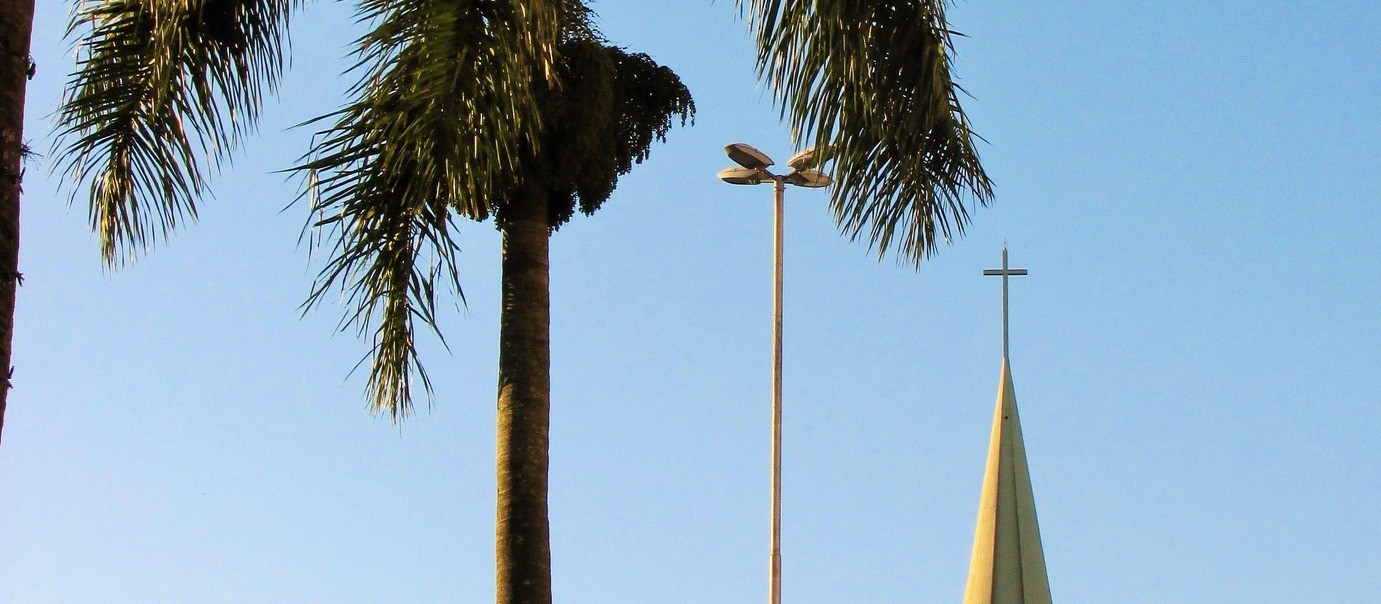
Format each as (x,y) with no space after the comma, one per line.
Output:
(1004,272)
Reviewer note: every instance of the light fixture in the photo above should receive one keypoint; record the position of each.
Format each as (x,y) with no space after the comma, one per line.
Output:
(755,163)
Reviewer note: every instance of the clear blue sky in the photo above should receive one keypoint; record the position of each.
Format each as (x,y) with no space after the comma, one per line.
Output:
(1192,185)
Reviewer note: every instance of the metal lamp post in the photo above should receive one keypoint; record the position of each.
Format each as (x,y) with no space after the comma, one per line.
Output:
(753,171)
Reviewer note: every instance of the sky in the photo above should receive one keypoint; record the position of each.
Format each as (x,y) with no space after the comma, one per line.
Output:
(1192,186)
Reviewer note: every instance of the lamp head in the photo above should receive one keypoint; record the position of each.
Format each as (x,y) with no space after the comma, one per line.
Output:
(748,157)
(810,158)
(810,179)
(744,176)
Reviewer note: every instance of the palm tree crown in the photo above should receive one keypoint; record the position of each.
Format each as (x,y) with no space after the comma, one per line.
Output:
(597,116)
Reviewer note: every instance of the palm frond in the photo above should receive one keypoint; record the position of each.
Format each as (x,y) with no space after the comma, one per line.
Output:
(433,130)
(872,81)
(162,87)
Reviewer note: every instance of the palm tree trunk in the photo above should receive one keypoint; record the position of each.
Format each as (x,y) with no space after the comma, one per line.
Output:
(523,531)
(17,17)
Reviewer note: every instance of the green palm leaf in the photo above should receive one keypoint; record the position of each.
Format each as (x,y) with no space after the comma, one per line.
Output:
(871,82)
(160,85)
(419,139)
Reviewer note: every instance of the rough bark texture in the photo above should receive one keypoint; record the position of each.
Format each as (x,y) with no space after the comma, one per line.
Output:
(523,531)
(16,28)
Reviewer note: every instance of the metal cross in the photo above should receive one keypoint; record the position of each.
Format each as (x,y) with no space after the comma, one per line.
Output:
(1004,272)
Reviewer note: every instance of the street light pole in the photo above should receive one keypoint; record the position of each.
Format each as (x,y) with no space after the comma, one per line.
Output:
(754,171)
(775,588)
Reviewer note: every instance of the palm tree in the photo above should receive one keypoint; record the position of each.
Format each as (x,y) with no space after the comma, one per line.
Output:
(17,17)
(511,109)
(600,116)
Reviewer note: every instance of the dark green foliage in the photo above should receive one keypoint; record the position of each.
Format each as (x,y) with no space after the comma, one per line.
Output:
(421,141)
(871,80)
(577,132)
(424,142)
(610,107)
(217,21)
(160,85)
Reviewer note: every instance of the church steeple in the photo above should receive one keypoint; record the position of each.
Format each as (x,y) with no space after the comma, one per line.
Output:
(1008,564)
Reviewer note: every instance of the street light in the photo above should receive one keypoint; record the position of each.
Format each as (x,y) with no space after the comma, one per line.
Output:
(753,171)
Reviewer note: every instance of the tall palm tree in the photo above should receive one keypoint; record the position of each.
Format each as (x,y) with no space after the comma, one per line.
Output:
(599,116)
(16,28)
(510,109)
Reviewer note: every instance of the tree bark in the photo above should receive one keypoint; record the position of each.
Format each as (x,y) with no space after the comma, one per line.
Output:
(523,530)
(16,29)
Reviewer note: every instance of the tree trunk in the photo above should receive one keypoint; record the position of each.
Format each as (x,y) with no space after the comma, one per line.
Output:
(16,28)
(523,531)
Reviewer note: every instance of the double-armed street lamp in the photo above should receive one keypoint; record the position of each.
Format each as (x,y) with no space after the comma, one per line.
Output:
(753,171)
